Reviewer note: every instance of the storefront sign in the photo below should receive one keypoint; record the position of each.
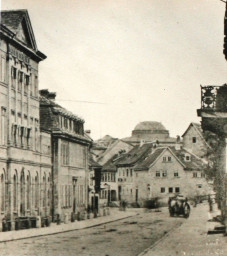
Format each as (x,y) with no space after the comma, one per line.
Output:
(18,54)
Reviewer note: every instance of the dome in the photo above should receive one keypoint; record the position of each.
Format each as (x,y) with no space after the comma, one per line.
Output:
(149,126)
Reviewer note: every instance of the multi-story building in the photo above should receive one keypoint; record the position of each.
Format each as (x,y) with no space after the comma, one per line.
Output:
(70,148)
(109,187)
(125,171)
(25,152)
(167,171)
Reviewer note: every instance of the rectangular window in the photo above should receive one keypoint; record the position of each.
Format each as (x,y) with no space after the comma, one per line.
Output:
(203,175)
(162,190)
(176,174)
(131,172)
(36,86)
(65,153)
(20,81)
(3,70)
(91,179)
(158,174)
(170,190)
(14,77)
(177,190)
(109,178)
(26,85)
(164,159)
(194,174)
(169,158)
(3,127)
(193,139)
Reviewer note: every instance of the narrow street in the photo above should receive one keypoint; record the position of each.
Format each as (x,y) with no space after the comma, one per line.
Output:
(127,237)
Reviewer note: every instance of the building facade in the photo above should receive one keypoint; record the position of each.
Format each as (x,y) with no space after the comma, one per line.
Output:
(94,185)
(70,157)
(194,141)
(168,171)
(25,151)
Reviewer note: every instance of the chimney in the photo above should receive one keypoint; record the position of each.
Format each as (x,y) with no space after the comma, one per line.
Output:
(44,92)
(88,131)
(52,96)
(178,143)
(142,142)
(49,95)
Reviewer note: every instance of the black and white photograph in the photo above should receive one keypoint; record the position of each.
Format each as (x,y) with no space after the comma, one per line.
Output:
(113,127)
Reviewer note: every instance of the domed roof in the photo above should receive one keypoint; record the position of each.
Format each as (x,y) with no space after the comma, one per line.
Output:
(150,126)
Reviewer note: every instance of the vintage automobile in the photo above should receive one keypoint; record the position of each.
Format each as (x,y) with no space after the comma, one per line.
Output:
(178,205)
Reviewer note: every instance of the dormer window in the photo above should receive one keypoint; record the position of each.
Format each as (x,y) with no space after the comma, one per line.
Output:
(187,158)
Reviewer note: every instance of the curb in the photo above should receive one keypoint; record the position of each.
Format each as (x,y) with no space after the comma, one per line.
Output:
(68,230)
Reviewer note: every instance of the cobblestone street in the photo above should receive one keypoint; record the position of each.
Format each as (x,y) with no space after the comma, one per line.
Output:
(127,237)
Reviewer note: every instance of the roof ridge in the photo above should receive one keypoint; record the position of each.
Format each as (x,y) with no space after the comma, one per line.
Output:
(14,10)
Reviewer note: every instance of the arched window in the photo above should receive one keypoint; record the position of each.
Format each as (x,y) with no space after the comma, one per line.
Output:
(22,193)
(28,192)
(37,191)
(2,192)
(15,192)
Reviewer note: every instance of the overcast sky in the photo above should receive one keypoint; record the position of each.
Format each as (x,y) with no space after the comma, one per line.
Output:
(143,59)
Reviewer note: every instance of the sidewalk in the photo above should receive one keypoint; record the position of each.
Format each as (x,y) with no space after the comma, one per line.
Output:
(115,214)
(191,237)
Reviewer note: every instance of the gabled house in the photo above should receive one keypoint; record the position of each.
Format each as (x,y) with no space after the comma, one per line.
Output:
(194,140)
(114,148)
(125,171)
(167,171)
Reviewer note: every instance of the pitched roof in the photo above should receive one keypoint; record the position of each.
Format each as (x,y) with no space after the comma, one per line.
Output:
(12,19)
(17,25)
(144,164)
(110,165)
(199,130)
(59,109)
(134,155)
(195,162)
(93,163)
